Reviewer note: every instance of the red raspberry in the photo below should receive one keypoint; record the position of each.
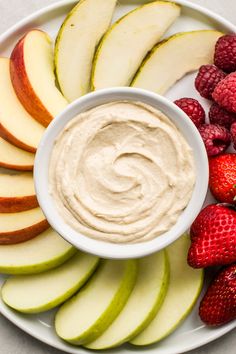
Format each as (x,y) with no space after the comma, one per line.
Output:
(233,134)
(225,53)
(218,115)
(215,137)
(207,79)
(193,109)
(225,93)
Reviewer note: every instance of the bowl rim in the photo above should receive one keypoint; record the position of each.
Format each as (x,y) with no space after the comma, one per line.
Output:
(106,249)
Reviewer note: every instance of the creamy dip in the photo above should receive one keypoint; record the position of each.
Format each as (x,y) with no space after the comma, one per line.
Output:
(121,172)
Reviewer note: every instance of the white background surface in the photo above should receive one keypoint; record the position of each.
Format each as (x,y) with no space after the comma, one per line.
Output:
(13,340)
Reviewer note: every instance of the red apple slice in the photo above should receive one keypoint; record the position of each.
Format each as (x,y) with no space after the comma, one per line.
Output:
(14,158)
(17,193)
(32,74)
(16,125)
(20,227)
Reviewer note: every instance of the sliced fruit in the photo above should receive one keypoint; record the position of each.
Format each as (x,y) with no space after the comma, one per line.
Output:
(159,71)
(17,192)
(76,42)
(14,158)
(32,75)
(125,45)
(144,302)
(16,125)
(44,252)
(184,288)
(88,314)
(20,227)
(41,292)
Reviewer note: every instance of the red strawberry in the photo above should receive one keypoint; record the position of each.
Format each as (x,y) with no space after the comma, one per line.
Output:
(225,93)
(207,79)
(222,181)
(213,236)
(193,109)
(225,53)
(218,306)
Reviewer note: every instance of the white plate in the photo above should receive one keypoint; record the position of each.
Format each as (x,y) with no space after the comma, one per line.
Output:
(192,333)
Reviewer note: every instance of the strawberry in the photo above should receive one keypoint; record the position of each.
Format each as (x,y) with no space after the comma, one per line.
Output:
(213,236)
(222,180)
(218,306)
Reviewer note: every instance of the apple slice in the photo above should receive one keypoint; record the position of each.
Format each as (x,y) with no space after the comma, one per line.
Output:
(46,251)
(16,125)
(184,288)
(20,227)
(32,75)
(41,292)
(125,45)
(14,158)
(144,302)
(173,58)
(76,42)
(17,192)
(87,315)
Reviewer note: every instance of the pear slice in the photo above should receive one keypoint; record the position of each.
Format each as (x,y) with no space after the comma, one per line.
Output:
(33,79)
(21,226)
(125,45)
(41,292)
(16,125)
(88,314)
(17,192)
(184,288)
(14,158)
(173,58)
(42,253)
(144,302)
(76,42)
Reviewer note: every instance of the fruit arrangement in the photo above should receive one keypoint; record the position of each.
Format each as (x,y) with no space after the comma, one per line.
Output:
(213,233)
(45,271)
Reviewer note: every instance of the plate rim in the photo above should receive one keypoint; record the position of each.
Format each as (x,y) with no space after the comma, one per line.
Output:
(10,315)
(16,29)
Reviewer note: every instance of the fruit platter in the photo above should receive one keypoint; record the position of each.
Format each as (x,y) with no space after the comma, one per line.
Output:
(167,302)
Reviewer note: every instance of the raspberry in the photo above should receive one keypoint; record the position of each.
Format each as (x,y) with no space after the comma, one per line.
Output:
(215,138)
(225,53)
(225,93)
(207,79)
(233,134)
(193,109)
(218,115)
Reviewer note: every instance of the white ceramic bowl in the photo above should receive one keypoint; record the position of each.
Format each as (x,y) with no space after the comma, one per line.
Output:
(105,249)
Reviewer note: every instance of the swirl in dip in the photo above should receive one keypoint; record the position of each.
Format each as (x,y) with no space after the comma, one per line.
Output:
(121,172)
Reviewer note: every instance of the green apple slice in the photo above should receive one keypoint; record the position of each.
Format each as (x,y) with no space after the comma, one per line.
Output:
(125,45)
(144,302)
(184,288)
(41,292)
(88,314)
(173,58)
(44,252)
(76,42)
